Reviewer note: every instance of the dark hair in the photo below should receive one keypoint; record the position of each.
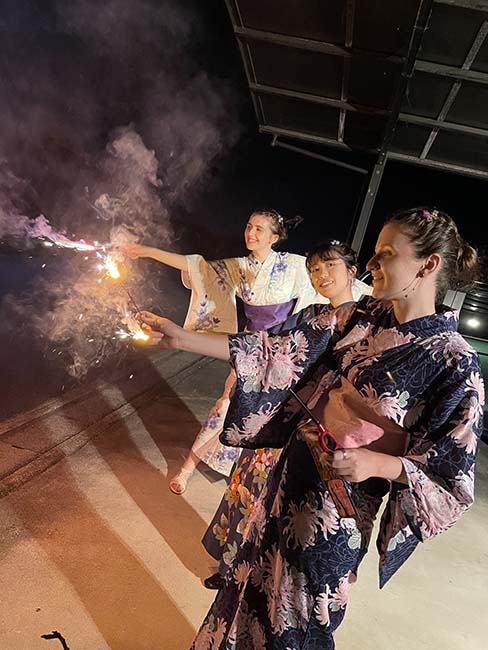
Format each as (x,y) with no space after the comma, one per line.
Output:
(279,225)
(330,250)
(433,231)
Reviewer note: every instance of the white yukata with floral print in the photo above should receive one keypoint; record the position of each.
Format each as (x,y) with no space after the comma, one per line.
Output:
(280,285)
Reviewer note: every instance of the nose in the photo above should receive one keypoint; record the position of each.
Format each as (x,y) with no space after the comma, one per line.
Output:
(372,264)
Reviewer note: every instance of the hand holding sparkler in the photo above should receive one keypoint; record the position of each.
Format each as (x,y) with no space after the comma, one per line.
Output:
(161,331)
(133,251)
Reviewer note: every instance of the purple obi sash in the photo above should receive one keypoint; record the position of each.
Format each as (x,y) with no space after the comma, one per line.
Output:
(263,317)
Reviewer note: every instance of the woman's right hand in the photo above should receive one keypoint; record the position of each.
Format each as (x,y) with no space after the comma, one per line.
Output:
(167,333)
(133,250)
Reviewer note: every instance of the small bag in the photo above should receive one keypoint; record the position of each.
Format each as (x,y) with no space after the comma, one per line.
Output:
(321,442)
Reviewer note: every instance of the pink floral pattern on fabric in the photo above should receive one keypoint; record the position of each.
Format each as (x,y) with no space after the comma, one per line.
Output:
(292,573)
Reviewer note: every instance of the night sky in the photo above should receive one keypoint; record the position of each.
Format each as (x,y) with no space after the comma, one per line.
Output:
(72,72)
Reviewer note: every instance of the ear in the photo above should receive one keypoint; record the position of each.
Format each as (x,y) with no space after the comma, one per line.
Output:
(432,263)
(274,238)
(353,271)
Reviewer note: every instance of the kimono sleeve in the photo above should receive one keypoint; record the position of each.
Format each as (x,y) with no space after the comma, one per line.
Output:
(441,474)
(213,288)
(267,366)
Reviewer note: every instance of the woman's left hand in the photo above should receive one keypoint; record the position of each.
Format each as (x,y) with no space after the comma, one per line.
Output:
(355,465)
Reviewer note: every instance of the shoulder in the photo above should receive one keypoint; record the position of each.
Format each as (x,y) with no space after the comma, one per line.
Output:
(293,258)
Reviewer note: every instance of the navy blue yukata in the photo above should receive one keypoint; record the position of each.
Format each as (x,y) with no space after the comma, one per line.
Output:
(413,390)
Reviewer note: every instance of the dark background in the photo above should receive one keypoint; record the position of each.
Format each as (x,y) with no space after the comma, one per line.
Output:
(71,75)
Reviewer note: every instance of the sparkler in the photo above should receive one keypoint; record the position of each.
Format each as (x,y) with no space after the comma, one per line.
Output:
(113,271)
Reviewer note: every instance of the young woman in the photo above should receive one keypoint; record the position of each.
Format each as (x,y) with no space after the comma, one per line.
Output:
(401,392)
(269,285)
(332,267)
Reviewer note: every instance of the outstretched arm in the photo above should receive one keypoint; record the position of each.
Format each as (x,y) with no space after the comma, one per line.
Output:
(134,251)
(167,334)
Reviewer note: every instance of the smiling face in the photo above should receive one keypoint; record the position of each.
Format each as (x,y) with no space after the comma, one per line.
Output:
(394,266)
(258,234)
(332,279)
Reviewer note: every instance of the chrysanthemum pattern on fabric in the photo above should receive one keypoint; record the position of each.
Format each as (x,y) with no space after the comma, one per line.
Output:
(290,577)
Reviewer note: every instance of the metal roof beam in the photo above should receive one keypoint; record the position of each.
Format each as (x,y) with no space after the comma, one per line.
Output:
(346,68)
(452,72)
(477,5)
(442,126)
(439,165)
(317,156)
(302,135)
(263,89)
(244,33)
(456,86)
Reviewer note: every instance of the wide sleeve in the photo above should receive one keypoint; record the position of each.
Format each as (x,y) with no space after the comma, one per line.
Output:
(213,289)
(266,367)
(440,466)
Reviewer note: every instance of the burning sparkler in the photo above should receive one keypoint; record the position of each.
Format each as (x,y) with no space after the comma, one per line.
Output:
(111,266)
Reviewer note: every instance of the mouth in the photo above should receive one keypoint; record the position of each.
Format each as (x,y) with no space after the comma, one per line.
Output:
(324,285)
(377,278)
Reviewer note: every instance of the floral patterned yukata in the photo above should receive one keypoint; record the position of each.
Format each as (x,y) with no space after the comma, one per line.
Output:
(415,388)
(224,533)
(270,292)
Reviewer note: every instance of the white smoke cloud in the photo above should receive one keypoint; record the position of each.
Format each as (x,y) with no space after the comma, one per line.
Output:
(103,65)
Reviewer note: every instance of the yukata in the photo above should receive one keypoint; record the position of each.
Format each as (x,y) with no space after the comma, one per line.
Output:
(249,475)
(267,293)
(413,390)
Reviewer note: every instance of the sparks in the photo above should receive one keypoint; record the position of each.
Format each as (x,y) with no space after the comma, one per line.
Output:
(137,335)
(112,268)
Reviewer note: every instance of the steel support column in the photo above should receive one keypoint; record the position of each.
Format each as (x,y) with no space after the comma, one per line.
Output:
(421,22)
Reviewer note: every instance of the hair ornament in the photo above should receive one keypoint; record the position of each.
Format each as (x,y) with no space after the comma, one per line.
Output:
(334,242)
(427,215)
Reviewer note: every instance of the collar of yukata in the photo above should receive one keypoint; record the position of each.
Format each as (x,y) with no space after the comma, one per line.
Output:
(444,320)
(257,263)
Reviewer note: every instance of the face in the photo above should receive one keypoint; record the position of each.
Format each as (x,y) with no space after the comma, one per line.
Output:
(332,279)
(258,233)
(394,266)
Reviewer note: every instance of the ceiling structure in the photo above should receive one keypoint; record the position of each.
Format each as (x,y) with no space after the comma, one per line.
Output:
(397,79)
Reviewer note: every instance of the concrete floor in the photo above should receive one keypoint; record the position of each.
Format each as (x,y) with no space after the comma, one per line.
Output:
(98,548)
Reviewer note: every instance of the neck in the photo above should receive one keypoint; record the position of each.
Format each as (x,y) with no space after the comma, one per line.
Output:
(344,297)
(263,254)
(406,310)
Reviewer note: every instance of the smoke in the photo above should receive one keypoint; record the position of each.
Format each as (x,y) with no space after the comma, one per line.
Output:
(109,129)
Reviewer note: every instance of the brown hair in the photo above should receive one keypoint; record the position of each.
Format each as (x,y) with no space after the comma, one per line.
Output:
(279,225)
(433,231)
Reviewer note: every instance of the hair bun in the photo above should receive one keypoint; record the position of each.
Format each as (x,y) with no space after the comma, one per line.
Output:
(293,222)
(468,265)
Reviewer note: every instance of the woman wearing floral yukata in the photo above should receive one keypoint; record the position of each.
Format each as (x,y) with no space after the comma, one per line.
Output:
(270,285)
(332,267)
(402,393)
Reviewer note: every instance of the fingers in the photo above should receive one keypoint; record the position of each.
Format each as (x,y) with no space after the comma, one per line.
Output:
(147,317)
(131,250)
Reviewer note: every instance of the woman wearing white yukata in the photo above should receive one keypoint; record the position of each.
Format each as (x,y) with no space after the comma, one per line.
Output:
(271,285)
(402,393)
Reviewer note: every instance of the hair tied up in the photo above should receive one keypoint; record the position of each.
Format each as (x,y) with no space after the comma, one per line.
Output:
(292,222)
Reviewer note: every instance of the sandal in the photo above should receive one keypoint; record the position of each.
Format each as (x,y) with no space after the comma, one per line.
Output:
(177,485)
(215,581)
